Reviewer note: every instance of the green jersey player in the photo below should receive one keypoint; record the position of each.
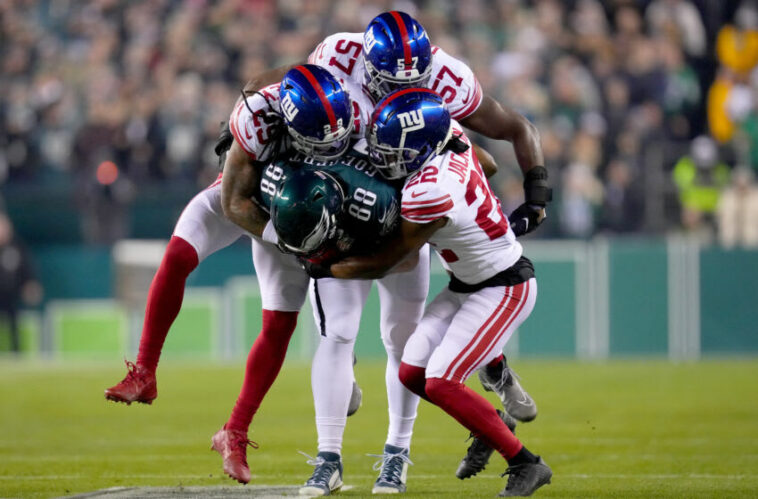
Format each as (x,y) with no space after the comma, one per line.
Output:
(323,209)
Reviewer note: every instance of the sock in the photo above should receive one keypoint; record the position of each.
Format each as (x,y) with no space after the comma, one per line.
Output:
(332,384)
(414,379)
(522,457)
(401,406)
(263,364)
(165,299)
(474,412)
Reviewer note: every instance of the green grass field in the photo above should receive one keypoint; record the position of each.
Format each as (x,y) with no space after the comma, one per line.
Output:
(618,429)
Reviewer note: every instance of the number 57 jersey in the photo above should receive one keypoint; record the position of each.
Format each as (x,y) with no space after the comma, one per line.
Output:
(477,241)
(342,55)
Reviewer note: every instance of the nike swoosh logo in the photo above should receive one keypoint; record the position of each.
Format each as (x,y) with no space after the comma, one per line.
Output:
(417,194)
(526,221)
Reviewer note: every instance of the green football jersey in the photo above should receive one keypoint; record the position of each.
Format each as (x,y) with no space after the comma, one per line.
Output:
(372,203)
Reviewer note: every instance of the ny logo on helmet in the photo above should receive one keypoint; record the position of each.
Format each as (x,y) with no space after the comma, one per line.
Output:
(409,122)
(288,108)
(412,120)
(369,41)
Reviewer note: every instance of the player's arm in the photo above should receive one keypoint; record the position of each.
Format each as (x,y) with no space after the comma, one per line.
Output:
(238,186)
(411,237)
(485,160)
(499,122)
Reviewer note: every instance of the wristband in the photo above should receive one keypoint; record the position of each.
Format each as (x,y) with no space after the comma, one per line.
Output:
(536,189)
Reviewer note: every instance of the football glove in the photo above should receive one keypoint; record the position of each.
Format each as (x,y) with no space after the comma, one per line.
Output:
(526,218)
(315,270)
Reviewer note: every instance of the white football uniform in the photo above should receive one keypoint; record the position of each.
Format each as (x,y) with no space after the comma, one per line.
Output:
(461,332)
(342,55)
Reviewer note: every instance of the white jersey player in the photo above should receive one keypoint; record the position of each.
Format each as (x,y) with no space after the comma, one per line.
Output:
(447,202)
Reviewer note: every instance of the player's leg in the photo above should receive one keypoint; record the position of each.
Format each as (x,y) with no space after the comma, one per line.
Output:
(201,230)
(402,296)
(477,334)
(337,306)
(283,285)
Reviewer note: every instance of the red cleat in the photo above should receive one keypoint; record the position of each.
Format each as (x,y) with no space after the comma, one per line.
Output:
(232,445)
(139,385)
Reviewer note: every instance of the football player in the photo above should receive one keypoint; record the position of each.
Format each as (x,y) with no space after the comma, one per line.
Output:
(259,135)
(447,202)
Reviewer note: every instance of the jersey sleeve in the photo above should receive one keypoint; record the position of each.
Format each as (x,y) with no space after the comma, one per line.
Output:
(253,124)
(425,202)
(340,54)
(456,83)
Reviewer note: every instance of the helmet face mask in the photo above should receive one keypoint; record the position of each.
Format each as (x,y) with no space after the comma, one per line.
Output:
(408,128)
(396,54)
(331,147)
(317,111)
(381,83)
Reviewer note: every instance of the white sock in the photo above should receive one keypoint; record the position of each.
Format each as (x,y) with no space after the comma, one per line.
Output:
(332,385)
(401,405)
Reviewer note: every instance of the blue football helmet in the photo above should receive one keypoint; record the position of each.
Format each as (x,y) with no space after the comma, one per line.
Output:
(317,112)
(408,128)
(396,53)
(305,212)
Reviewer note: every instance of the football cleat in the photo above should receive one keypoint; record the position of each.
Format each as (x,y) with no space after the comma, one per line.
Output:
(232,445)
(502,380)
(525,478)
(393,470)
(478,453)
(139,385)
(327,475)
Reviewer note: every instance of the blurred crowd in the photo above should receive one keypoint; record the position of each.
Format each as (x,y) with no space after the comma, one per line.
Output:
(647,109)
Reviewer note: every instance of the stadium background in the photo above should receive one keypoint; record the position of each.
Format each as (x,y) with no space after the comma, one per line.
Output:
(648,112)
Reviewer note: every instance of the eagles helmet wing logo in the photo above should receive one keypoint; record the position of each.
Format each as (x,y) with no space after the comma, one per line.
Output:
(288,108)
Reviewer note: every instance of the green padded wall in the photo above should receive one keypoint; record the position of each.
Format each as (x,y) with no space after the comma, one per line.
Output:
(638,298)
(729,301)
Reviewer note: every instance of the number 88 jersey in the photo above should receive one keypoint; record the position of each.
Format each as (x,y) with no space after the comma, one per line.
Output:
(372,204)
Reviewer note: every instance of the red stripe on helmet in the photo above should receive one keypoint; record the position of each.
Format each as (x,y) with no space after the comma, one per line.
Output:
(397,94)
(321,95)
(404,36)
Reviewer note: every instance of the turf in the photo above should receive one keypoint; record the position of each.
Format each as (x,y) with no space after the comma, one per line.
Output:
(618,429)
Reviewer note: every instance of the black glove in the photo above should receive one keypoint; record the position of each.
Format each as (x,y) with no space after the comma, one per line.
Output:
(223,143)
(315,270)
(526,218)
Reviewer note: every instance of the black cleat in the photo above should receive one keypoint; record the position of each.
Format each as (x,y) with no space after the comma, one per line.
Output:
(525,478)
(478,453)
